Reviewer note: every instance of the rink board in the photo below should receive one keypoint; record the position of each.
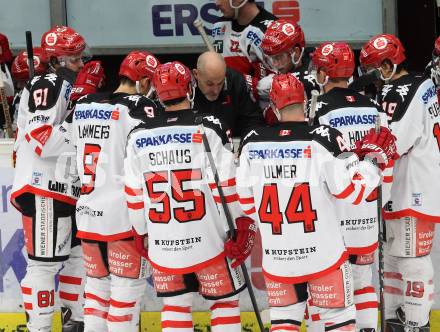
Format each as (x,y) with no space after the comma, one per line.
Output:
(151,322)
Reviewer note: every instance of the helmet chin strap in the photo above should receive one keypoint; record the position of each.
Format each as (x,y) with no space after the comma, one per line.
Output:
(138,87)
(321,85)
(292,56)
(386,80)
(276,111)
(236,8)
(150,91)
(192,96)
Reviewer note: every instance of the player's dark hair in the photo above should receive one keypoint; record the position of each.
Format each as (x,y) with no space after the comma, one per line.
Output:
(126,81)
(401,66)
(338,79)
(173,102)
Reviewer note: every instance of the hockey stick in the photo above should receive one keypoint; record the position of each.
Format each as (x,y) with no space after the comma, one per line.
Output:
(30,54)
(199,121)
(5,106)
(312,111)
(381,241)
(198,24)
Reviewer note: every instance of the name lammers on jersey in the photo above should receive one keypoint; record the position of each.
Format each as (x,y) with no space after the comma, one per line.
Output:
(93,131)
(170,157)
(350,120)
(143,142)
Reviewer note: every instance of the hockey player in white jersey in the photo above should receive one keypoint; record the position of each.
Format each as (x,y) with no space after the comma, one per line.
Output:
(172,200)
(289,178)
(116,273)
(238,34)
(46,186)
(411,104)
(354,115)
(283,46)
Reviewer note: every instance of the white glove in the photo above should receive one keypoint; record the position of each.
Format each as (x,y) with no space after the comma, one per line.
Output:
(263,87)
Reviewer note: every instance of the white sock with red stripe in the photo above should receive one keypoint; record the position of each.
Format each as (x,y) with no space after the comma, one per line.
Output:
(125,303)
(71,287)
(38,289)
(365,297)
(287,319)
(225,315)
(393,286)
(176,313)
(96,305)
(365,300)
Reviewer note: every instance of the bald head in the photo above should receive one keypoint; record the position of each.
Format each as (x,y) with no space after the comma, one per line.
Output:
(212,63)
(210,74)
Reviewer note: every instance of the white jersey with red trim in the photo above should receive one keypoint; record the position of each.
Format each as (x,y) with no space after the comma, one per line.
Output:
(354,115)
(171,192)
(414,118)
(100,127)
(45,156)
(240,45)
(289,179)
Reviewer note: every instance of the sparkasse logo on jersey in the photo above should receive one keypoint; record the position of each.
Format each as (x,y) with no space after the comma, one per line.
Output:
(292,153)
(96,114)
(350,120)
(143,142)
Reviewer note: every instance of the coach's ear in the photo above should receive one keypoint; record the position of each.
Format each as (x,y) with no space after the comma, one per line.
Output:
(195,73)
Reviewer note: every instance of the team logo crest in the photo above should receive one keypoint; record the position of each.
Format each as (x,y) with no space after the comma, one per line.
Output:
(36,60)
(179,68)
(288,29)
(327,49)
(380,43)
(51,39)
(151,61)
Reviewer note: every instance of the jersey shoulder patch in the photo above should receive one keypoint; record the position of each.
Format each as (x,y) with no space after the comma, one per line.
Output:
(44,91)
(331,139)
(220,127)
(396,96)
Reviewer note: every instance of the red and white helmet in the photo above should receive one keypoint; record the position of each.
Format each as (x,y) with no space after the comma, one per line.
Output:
(20,65)
(62,40)
(286,90)
(282,36)
(173,80)
(380,48)
(138,64)
(5,51)
(336,58)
